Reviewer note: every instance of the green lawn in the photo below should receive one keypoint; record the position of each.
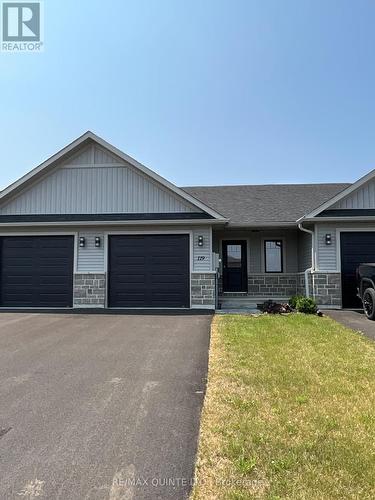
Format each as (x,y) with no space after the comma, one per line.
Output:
(289,411)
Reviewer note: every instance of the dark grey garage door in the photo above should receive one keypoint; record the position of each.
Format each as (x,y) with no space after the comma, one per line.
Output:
(356,248)
(149,271)
(37,271)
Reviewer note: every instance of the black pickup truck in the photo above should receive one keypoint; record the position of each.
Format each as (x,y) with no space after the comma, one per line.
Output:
(366,288)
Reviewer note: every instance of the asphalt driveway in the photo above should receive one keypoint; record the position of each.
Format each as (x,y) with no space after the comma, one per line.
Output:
(100,406)
(354,319)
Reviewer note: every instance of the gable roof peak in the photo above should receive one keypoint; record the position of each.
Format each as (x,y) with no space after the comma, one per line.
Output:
(89,135)
(342,194)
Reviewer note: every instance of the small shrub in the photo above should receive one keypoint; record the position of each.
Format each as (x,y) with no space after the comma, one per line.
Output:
(293,301)
(306,305)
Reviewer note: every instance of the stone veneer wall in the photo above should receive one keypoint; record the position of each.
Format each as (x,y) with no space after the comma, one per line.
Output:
(89,290)
(301,290)
(327,288)
(267,285)
(272,285)
(203,290)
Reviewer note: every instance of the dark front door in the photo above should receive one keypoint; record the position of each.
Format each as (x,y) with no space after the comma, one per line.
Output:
(356,248)
(37,271)
(234,266)
(149,271)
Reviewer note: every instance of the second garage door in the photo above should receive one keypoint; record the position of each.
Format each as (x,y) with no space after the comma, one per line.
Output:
(356,248)
(149,271)
(37,271)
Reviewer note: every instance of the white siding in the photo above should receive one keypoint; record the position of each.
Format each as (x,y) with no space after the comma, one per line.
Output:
(93,154)
(76,190)
(363,197)
(202,255)
(102,156)
(83,157)
(90,259)
(326,254)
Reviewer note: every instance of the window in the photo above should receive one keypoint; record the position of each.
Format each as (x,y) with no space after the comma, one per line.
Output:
(234,256)
(273,256)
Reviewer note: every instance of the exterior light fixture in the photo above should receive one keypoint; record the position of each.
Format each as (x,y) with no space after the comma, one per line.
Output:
(97,241)
(200,241)
(82,241)
(328,239)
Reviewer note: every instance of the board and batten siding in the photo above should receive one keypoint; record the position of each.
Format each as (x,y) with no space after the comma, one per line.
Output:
(363,197)
(98,187)
(101,190)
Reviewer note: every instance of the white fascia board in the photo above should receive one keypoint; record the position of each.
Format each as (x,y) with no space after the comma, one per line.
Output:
(90,135)
(339,196)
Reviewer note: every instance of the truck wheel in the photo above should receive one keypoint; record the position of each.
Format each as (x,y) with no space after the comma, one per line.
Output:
(369,303)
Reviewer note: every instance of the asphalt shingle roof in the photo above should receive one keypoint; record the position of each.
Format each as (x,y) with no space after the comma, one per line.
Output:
(254,204)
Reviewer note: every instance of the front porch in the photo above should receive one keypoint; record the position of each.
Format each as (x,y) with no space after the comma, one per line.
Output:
(257,265)
(262,287)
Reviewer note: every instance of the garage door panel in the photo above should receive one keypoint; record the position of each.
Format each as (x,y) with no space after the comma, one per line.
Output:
(37,271)
(356,248)
(149,271)
(170,288)
(130,279)
(18,242)
(161,278)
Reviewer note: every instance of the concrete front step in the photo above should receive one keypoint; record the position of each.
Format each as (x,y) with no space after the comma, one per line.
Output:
(238,305)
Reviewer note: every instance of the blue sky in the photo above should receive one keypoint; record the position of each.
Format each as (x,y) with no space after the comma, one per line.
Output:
(203,92)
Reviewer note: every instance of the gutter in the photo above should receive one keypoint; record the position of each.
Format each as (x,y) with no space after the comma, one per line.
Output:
(260,225)
(360,218)
(312,268)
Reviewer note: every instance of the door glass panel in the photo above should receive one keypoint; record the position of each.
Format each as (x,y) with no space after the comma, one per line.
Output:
(234,256)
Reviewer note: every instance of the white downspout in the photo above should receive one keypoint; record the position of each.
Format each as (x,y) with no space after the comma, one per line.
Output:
(312,268)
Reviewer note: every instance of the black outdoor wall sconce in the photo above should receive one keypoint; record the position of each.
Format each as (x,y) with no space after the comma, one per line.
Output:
(97,241)
(200,241)
(82,241)
(328,239)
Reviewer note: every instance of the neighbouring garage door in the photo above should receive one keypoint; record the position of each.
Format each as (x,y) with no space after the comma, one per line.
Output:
(149,271)
(356,248)
(37,271)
